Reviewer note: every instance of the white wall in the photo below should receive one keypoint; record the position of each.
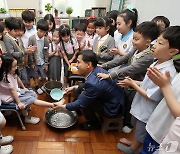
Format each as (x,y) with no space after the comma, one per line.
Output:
(148,9)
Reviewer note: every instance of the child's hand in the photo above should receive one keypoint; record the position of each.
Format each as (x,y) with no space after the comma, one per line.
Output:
(89,44)
(114,51)
(69,89)
(99,65)
(127,82)
(33,66)
(21,106)
(46,69)
(103,76)
(70,61)
(59,104)
(160,79)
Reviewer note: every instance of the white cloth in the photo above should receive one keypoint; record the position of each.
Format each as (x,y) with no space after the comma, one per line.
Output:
(27,34)
(162,117)
(171,143)
(142,108)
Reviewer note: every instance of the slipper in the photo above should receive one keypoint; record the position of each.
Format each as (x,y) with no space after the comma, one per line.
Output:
(32,120)
(6,140)
(125,141)
(7,149)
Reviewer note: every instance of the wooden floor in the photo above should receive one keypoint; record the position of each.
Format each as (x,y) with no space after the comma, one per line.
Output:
(43,139)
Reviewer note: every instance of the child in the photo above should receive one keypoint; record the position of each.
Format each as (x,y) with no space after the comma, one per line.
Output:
(10,91)
(90,34)
(126,22)
(148,94)
(52,25)
(55,57)
(135,63)
(169,107)
(38,61)
(113,16)
(161,21)
(28,20)
(80,30)
(104,42)
(2,45)
(69,48)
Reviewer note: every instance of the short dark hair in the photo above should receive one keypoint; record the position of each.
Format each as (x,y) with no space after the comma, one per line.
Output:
(28,16)
(103,22)
(51,19)
(172,34)
(148,30)
(21,25)
(12,23)
(2,26)
(43,25)
(162,18)
(89,56)
(80,27)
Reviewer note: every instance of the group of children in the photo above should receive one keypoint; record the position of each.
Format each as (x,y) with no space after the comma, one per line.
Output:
(123,48)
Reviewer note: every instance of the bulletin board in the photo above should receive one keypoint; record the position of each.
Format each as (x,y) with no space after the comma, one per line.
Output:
(116,5)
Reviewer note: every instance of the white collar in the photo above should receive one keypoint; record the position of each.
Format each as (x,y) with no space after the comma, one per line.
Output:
(103,38)
(164,64)
(37,37)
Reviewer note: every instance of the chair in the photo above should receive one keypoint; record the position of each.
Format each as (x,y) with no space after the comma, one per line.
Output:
(112,123)
(72,81)
(12,107)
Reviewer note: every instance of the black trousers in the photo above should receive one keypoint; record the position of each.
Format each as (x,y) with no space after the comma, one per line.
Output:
(129,95)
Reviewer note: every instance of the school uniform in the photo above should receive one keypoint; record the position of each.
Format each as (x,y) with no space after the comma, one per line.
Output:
(2,47)
(54,62)
(142,108)
(123,43)
(162,118)
(27,97)
(15,47)
(68,48)
(102,46)
(90,39)
(40,57)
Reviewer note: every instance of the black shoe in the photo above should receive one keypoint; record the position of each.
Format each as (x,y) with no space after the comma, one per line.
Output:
(90,125)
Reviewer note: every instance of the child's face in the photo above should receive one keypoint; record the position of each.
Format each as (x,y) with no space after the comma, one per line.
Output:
(161,50)
(122,27)
(41,33)
(13,67)
(139,42)
(55,37)
(79,35)
(90,28)
(50,25)
(28,24)
(66,38)
(161,24)
(14,32)
(20,33)
(102,31)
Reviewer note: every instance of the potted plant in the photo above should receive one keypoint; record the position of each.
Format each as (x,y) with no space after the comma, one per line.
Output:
(56,12)
(48,7)
(3,10)
(69,10)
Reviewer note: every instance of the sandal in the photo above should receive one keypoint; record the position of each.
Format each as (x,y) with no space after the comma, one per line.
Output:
(7,149)
(31,120)
(6,140)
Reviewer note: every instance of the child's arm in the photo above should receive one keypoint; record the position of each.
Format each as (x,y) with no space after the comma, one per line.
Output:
(163,81)
(20,83)
(128,82)
(16,98)
(74,56)
(66,59)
